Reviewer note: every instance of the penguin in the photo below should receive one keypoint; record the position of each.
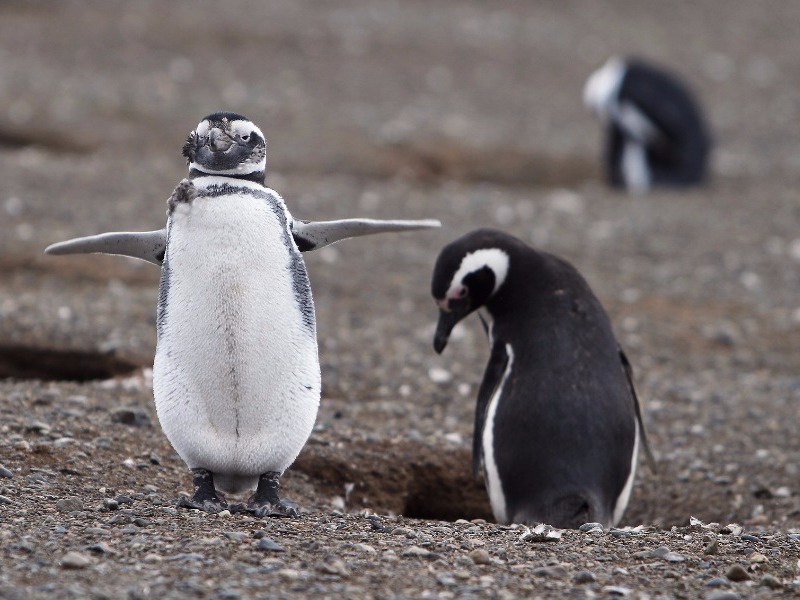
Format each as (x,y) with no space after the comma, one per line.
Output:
(656,132)
(236,376)
(557,423)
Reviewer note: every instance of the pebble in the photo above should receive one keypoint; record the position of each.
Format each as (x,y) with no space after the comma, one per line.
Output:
(591,528)
(552,572)
(5,472)
(4,500)
(404,531)
(732,529)
(584,577)
(712,547)
(770,581)
(724,595)
(737,573)
(616,590)
(480,556)
(152,557)
(365,548)
(236,536)
(135,417)
(269,545)
(334,565)
(717,582)
(446,579)
(416,551)
(75,560)
(69,504)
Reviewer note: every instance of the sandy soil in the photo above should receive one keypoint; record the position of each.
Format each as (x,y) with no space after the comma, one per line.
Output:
(467,112)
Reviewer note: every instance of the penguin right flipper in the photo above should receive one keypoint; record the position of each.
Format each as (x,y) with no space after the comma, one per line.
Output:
(144,245)
(626,366)
(492,377)
(312,235)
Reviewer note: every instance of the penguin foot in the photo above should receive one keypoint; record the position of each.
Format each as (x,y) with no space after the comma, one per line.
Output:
(266,502)
(185,192)
(206,497)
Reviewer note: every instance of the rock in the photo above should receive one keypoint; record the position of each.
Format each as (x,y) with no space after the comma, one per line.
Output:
(737,573)
(129,415)
(268,545)
(584,577)
(770,581)
(666,554)
(417,552)
(404,531)
(152,557)
(717,582)
(712,547)
(4,500)
(541,533)
(723,595)
(732,529)
(236,536)
(5,472)
(366,548)
(122,499)
(446,579)
(111,504)
(555,572)
(75,560)
(756,557)
(591,528)
(69,504)
(480,556)
(617,590)
(334,565)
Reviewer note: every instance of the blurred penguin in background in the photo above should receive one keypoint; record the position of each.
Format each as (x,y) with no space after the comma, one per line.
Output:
(656,132)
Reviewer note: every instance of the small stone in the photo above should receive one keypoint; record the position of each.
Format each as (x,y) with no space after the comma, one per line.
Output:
(152,558)
(111,504)
(446,579)
(737,573)
(69,504)
(717,582)
(224,513)
(101,548)
(616,590)
(416,551)
(439,375)
(288,574)
(480,557)
(129,415)
(584,577)
(591,528)
(770,581)
(757,557)
(122,499)
(334,566)
(75,560)
(552,572)
(723,595)
(365,548)
(5,472)
(269,545)
(4,500)
(712,547)
(236,536)
(732,529)
(404,531)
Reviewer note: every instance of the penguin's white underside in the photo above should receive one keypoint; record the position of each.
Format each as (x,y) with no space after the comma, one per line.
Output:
(236,376)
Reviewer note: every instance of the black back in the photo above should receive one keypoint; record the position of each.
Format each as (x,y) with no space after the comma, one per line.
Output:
(680,157)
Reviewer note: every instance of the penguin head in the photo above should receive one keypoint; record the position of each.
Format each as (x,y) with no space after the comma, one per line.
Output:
(227,144)
(468,273)
(602,87)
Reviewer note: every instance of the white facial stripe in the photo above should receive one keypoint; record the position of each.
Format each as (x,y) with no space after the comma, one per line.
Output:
(242,128)
(601,89)
(494,258)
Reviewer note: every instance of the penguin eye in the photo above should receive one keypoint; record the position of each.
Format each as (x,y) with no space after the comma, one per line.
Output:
(462,292)
(246,137)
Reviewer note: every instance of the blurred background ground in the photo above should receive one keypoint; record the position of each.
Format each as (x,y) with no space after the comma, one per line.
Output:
(463,111)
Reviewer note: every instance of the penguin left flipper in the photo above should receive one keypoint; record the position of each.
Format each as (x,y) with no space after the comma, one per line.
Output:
(312,235)
(492,378)
(626,366)
(144,245)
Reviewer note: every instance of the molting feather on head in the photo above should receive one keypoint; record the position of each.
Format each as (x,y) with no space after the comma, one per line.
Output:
(226,144)
(602,87)
(467,274)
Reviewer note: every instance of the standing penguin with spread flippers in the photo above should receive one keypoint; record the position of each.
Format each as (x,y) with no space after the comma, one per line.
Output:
(236,377)
(557,422)
(657,135)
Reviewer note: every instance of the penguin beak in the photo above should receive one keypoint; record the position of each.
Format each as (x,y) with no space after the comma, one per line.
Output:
(449,315)
(218,140)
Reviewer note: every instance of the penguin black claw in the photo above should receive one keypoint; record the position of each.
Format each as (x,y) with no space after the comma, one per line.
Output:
(206,497)
(266,501)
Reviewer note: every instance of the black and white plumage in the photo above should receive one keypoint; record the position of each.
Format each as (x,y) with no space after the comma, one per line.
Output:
(657,135)
(557,422)
(236,377)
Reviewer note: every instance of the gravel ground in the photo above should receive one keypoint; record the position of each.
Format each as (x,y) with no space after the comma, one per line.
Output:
(465,112)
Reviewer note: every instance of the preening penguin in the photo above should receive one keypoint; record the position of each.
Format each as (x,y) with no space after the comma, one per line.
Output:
(557,422)
(236,377)
(657,135)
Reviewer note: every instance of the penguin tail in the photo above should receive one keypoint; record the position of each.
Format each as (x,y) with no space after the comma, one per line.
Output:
(567,512)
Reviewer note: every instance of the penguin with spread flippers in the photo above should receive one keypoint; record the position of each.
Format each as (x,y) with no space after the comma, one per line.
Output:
(656,134)
(236,377)
(557,424)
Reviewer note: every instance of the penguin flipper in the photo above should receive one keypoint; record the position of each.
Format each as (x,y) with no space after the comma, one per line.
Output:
(312,235)
(144,245)
(626,366)
(492,377)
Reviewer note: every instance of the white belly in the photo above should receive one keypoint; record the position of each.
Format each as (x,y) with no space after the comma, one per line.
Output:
(236,376)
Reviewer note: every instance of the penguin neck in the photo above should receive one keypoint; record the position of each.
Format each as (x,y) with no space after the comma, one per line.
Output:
(256,176)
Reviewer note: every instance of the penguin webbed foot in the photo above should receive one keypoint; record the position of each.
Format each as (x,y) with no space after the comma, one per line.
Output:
(206,497)
(266,502)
